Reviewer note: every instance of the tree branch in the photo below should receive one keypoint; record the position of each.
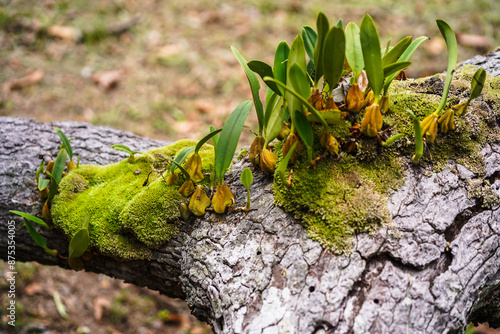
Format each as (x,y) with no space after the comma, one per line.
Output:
(437,269)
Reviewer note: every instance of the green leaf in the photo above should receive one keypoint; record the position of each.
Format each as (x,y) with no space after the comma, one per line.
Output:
(299,81)
(477,83)
(396,52)
(322,26)
(275,122)
(370,45)
(39,170)
(354,53)
(297,56)
(392,139)
(35,235)
(451,45)
(43,183)
(253,80)
(334,56)
(182,169)
(404,57)
(303,100)
(281,168)
(59,165)
(310,36)
(65,142)
(79,243)
(123,148)
(304,128)
(264,70)
(395,68)
(179,159)
(215,139)
(205,139)
(229,138)
(340,24)
(247,178)
(30,217)
(270,104)
(280,62)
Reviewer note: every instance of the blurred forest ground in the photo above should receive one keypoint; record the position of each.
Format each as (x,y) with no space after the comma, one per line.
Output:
(163,69)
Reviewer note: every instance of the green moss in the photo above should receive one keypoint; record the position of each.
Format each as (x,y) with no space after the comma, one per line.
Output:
(348,195)
(127,219)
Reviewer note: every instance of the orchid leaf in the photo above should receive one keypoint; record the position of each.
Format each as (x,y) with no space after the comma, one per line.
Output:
(65,142)
(253,80)
(264,70)
(179,159)
(229,138)
(322,26)
(395,52)
(299,81)
(275,122)
(334,56)
(310,36)
(354,53)
(477,83)
(37,237)
(395,68)
(370,44)
(215,139)
(281,168)
(404,57)
(59,165)
(280,63)
(79,243)
(451,45)
(30,217)
(203,140)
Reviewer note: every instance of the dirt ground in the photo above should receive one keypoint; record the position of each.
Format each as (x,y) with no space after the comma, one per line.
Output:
(163,69)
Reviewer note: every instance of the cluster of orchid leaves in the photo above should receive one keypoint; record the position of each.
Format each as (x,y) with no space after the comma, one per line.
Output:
(302,84)
(48,179)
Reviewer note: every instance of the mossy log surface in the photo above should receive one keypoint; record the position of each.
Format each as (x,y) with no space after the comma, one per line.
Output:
(434,271)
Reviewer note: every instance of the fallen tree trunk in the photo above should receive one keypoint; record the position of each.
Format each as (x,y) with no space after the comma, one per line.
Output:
(436,270)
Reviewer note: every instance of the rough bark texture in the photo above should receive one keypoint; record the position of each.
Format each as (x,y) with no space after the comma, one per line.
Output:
(261,274)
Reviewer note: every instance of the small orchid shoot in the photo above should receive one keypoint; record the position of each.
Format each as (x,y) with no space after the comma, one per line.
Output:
(247,180)
(124,148)
(226,147)
(477,85)
(419,143)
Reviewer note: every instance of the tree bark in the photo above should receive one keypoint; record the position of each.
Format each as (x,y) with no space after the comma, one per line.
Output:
(260,273)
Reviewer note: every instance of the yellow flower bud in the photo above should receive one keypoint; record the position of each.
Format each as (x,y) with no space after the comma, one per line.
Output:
(372,121)
(461,108)
(285,131)
(50,166)
(267,161)
(184,211)
(316,99)
(429,127)
(329,142)
(330,104)
(292,139)
(447,121)
(199,201)
(46,212)
(70,166)
(385,104)
(369,97)
(255,149)
(193,167)
(187,188)
(172,179)
(222,198)
(355,100)
(44,193)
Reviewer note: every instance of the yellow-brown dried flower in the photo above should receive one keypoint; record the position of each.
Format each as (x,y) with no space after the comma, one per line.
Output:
(268,161)
(172,179)
(256,149)
(199,201)
(187,188)
(372,121)
(193,167)
(292,139)
(447,121)
(329,142)
(355,99)
(223,198)
(70,166)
